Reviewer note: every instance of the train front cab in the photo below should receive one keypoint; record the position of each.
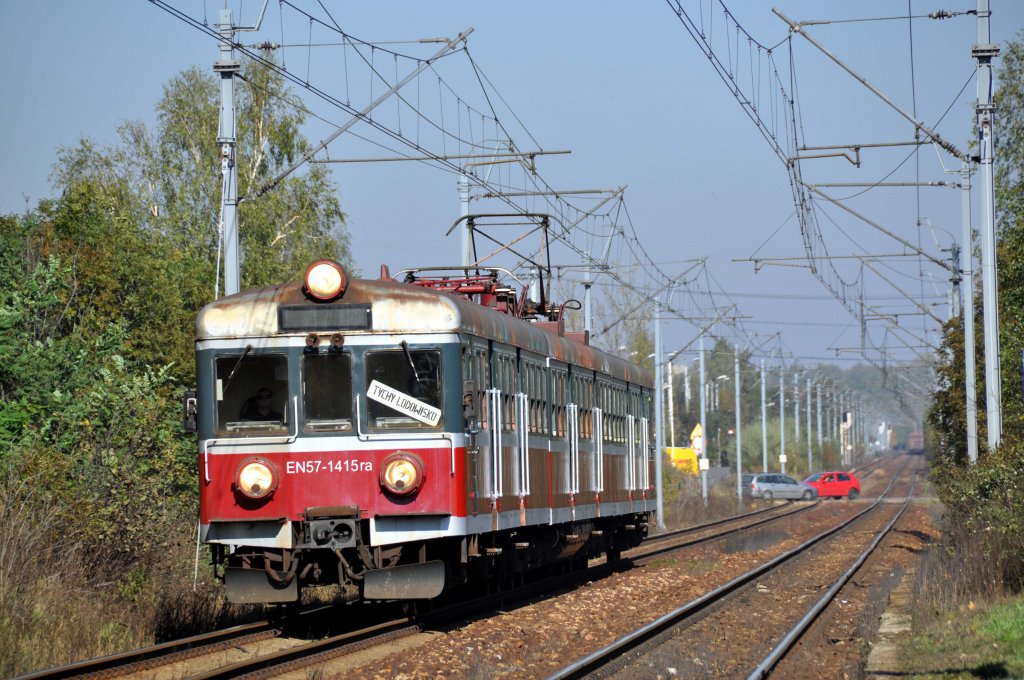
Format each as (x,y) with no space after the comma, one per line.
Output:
(350,480)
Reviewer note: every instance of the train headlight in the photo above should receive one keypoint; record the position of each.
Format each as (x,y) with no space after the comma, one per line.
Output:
(256,478)
(325,280)
(402,473)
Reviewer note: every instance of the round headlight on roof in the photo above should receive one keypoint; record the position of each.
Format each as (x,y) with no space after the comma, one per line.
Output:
(325,280)
(256,478)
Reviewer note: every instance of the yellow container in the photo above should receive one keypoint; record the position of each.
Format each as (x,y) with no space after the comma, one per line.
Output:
(684,459)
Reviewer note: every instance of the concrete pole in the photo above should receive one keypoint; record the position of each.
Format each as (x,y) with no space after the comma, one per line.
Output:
(739,435)
(587,308)
(828,412)
(810,468)
(228,67)
(671,405)
(839,425)
(821,444)
(703,425)
(686,387)
(984,51)
(796,403)
(764,420)
(782,420)
(659,425)
(967,305)
(466,241)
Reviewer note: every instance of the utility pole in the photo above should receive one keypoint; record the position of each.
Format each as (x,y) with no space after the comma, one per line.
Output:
(703,426)
(739,436)
(671,404)
(782,419)
(466,241)
(686,387)
(829,410)
(967,307)
(821,444)
(842,439)
(796,402)
(764,421)
(984,51)
(659,438)
(810,468)
(228,67)
(840,418)
(844,405)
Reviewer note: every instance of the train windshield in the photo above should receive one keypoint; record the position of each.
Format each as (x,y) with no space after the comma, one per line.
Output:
(403,389)
(252,394)
(327,392)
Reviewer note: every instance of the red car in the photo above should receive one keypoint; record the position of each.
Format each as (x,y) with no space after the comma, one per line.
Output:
(835,484)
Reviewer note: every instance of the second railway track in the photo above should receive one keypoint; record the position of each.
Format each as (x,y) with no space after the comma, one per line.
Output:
(531,632)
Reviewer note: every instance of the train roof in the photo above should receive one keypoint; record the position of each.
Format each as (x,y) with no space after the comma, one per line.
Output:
(401,308)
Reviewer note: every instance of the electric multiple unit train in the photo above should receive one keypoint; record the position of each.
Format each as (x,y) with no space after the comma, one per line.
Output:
(392,439)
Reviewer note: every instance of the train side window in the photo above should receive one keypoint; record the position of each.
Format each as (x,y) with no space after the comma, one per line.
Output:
(559,398)
(483,382)
(414,373)
(241,380)
(327,392)
(584,396)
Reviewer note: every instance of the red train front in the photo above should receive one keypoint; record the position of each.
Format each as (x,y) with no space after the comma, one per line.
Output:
(386,440)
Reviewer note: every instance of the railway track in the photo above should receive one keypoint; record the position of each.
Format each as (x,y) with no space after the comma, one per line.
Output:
(734,607)
(264,650)
(268,653)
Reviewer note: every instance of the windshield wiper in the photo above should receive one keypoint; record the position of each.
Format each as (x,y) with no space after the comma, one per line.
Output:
(248,348)
(408,356)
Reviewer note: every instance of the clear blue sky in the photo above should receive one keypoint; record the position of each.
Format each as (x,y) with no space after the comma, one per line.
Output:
(620,84)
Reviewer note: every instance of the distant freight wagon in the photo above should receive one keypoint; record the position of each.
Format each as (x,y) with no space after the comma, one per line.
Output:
(915,443)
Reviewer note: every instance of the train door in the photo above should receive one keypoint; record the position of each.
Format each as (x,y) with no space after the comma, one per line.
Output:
(583,472)
(648,442)
(641,405)
(558,465)
(597,457)
(638,444)
(617,436)
(532,438)
(476,375)
(503,469)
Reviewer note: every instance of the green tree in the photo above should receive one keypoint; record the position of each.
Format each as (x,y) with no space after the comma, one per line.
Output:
(169,181)
(101,288)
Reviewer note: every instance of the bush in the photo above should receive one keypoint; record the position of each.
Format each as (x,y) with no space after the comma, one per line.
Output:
(984,533)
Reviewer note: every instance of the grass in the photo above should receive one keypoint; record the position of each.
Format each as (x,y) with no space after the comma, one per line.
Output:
(968,616)
(60,602)
(976,641)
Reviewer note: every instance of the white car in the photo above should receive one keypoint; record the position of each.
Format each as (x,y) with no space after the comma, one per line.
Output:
(769,485)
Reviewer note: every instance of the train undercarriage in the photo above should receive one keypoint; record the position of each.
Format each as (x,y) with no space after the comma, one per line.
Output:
(332,560)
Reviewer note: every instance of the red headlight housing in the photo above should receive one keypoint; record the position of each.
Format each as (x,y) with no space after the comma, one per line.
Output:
(256,478)
(402,473)
(325,280)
